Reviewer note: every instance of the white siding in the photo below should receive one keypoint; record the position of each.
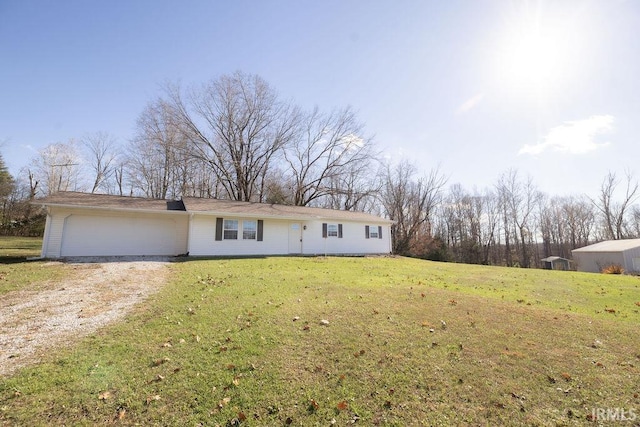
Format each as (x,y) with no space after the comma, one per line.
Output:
(53,235)
(109,233)
(202,240)
(353,239)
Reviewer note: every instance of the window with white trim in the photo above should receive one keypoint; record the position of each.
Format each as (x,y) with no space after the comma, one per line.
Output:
(249,229)
(373,232)
(230,229)
(332,230)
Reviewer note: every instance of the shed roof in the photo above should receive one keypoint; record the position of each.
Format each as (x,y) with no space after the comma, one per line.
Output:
(611,246)
(554,258)
(209,206)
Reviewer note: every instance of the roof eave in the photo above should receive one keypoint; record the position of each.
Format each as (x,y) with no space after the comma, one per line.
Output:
(110,209)
(289,217)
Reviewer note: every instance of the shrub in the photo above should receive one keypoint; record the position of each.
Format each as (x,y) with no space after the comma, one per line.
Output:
(613,269)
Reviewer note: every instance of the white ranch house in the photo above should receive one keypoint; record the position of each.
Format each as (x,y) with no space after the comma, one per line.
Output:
(81,224)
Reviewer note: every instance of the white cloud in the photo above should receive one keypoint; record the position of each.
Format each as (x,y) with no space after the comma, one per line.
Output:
(575,137)
(470,103)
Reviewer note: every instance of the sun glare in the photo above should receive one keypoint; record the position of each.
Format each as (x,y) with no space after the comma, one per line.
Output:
(538,49)
(532,61)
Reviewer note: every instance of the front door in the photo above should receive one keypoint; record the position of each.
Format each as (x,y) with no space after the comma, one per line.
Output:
(295,238)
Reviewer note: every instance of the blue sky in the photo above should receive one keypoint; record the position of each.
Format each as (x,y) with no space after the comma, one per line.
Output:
(550,88)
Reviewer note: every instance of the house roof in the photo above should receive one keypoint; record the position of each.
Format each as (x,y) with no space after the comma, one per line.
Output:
(611,246)
(104,201)
(208,206)
(265,210)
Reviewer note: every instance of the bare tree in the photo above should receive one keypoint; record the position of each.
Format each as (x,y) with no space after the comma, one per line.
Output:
(330,157)
(58,168)
(410,203)
(356,188)
(519,199)
(580,218)
(614,213)
(160,163)
(101,149)
(237,125)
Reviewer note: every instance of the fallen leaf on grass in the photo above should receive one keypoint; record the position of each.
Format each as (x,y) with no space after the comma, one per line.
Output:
(324,322)
(153,398)
(638,303)
(224,402)
(313,405)
(121,413)
(242,416)
(159,362)
(157,379)
(341,406)
(104,395)
(566,376)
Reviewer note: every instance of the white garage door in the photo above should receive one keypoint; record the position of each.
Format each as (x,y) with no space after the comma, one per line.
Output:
(88,235)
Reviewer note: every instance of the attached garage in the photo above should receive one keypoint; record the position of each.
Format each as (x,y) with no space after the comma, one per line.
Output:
(92,225)
(112,235)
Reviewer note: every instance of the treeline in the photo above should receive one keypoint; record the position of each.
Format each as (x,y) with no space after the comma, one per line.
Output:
(235,138)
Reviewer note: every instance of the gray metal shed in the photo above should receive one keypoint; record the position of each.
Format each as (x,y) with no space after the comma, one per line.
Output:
(555,263)
(594,258)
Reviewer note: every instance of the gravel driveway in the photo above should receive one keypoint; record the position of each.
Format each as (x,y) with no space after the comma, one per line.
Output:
(97,292)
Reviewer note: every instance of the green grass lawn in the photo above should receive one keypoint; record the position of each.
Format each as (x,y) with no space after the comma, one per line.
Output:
(405,342)
(16,273)
(19,248)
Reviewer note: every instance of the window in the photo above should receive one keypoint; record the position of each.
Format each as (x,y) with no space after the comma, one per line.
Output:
(249,229)
(227,229)
(331,230)
(230,229)
(373,231)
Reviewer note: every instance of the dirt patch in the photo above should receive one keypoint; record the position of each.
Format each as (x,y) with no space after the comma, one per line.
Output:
(96,293)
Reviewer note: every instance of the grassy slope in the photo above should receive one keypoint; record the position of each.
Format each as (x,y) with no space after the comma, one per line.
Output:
(16,273)
(19,247)
(219,345)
